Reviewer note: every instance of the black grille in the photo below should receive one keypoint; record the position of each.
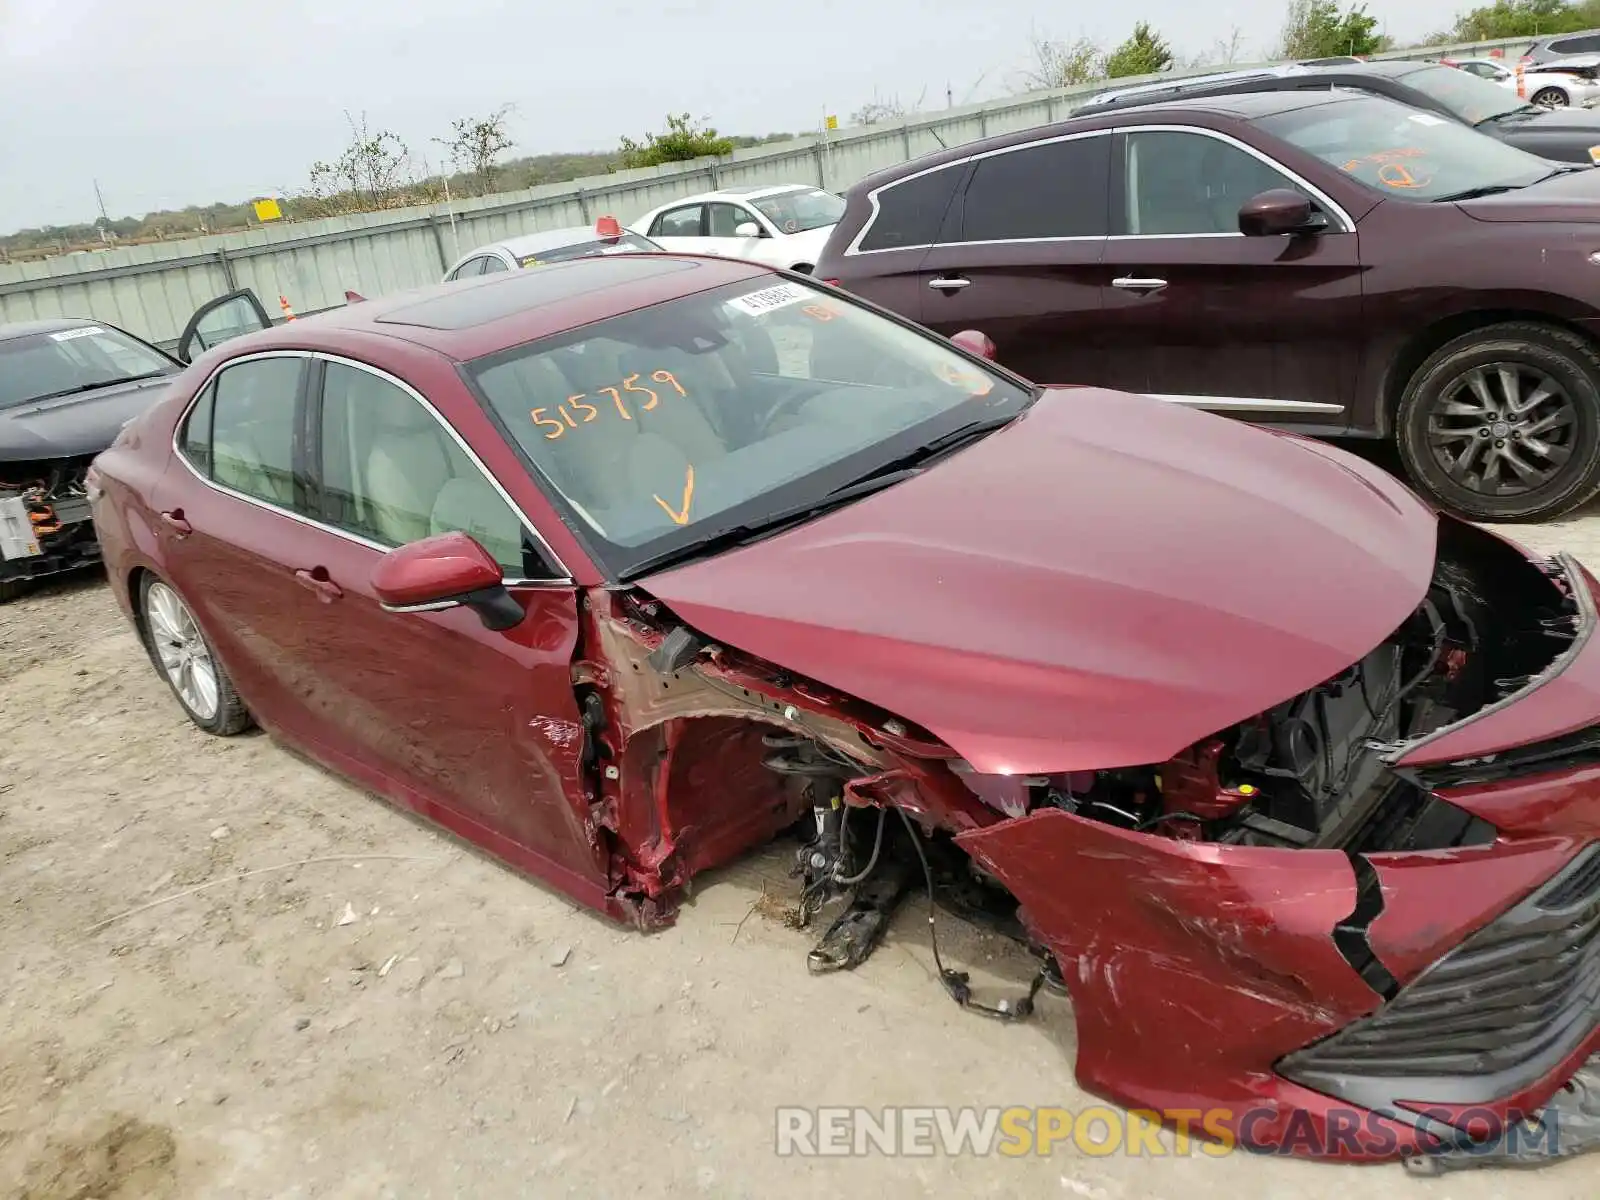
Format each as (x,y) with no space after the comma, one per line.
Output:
(1489,1018)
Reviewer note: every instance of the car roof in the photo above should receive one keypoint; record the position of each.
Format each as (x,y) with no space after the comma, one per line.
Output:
(17,329)
(469,318)
(544,239)
(745,192)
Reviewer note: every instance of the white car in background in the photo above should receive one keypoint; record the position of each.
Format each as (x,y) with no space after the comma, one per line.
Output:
(1571,82)
(607,236)
(782,225)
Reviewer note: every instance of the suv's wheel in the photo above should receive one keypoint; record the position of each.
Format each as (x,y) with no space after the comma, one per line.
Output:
(1503,424)
(185,659)
(10,589)
(1550,97)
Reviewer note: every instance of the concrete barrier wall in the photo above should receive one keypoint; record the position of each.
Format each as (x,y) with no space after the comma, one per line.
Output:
(151,290)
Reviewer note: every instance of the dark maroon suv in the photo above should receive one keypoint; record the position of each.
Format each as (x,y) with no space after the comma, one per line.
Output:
(1336,264)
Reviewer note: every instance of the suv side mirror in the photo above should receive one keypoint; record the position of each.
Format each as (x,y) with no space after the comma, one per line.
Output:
(747,229)
(1278,211)
(448,570)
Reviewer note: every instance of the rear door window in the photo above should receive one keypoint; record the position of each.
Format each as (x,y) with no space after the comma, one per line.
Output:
(910,212)
(253,411)
(679,222)
(1056,189)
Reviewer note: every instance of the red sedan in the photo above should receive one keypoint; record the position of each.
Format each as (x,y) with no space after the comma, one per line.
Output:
(624,566)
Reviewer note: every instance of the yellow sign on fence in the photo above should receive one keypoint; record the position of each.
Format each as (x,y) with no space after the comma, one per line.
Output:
(832,122)
(267,210)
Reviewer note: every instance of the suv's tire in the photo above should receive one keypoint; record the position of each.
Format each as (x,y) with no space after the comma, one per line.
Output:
(10,589)
(1551,426)
(183,656)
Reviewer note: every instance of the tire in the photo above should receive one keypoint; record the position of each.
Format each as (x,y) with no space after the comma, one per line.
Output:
(183,656)
(1548,450)
(11,589)
(1550,97)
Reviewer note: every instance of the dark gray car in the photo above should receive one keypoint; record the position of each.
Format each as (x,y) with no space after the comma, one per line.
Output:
(67,387)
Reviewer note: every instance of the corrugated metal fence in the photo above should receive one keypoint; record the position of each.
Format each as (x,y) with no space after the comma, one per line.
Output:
(151,290)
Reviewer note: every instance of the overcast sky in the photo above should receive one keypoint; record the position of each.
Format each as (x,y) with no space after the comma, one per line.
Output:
(188,102)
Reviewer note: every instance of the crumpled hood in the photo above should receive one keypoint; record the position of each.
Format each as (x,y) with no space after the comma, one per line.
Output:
(1101,583)
(85,423)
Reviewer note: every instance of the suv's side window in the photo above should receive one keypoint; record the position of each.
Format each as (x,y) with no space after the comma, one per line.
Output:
(678,222)
(392,474)
(1188,183)
(1051,190)
(241,433)
(911,212)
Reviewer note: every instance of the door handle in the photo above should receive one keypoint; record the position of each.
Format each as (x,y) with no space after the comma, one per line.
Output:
(953,284)
(316,579)
(174,521)
(1136,283)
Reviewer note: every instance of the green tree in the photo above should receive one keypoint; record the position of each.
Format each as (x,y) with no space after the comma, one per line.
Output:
(1321,29)
(1144,53)
(681,142)
(1524,18)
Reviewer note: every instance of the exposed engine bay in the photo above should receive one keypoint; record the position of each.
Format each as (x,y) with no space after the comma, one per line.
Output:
(1314,772)
(45,522)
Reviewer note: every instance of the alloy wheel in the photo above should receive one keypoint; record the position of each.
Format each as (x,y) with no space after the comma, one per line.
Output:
(184,655)
(1502,428)
(1551,99)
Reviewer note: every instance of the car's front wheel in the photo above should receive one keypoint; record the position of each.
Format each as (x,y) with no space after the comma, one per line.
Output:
(1550,97)
(1503,424)
(185,659)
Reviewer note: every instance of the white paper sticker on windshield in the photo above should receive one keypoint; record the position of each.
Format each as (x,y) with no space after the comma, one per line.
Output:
(66,335)
(1427,119)
(767,299)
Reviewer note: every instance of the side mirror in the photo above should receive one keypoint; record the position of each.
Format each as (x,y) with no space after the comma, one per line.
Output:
(747,229)
(1276,212)
(448,570)
(974,342)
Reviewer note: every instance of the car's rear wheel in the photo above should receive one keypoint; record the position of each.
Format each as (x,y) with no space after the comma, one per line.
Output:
(185,659)
(1503,424)
(1550,98)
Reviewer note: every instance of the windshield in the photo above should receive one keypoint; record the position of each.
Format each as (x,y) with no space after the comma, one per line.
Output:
(796,212)
(1398,151)
(1472,99)
(672,424)
(628,243)
(41,365)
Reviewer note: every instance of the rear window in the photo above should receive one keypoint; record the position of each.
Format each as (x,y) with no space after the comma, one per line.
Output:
(1052,190)
(911,211)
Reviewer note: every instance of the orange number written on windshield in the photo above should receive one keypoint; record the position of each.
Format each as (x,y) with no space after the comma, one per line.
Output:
(576,411)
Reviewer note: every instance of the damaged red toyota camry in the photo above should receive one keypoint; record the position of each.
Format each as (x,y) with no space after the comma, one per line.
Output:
(625,566)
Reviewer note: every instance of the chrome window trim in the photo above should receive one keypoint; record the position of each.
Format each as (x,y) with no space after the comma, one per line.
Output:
(1335,210)
(565,579)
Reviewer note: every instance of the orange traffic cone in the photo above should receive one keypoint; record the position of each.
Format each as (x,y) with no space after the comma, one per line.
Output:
(283,303)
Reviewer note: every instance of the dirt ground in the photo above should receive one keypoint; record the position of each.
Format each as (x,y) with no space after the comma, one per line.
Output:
(344,1003)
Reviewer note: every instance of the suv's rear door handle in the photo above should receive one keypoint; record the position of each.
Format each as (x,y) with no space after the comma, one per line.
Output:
(953,284)
(317,580)
(175,521)
(1136,283)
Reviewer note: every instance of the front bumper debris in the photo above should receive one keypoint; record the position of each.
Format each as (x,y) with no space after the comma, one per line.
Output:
(1568,1126)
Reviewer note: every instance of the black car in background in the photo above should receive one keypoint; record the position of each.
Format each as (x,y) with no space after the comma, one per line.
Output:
(1567,135)
(67,387)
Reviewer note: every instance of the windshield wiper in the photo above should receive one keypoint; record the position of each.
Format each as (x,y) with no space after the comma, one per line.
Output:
(945,443)
(1492,189)
(768,524)
(1527,110)
(96,386)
